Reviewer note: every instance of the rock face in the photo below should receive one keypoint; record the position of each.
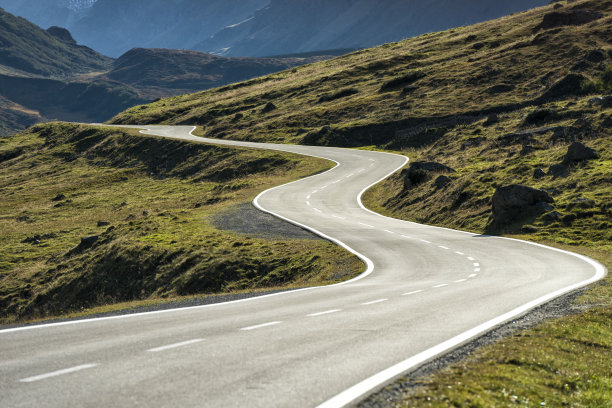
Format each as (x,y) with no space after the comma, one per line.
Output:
(578,152)
(513,202)
(61,34)
(571,84)
(419,172)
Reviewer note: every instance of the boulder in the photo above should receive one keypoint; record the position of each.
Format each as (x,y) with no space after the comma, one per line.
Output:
(538,174)
(268,108)
(419,172)
(513,202)
(86,242)
(571,84)
(103,223)
(558,170)
(568,18)
(442,181)
(579,152)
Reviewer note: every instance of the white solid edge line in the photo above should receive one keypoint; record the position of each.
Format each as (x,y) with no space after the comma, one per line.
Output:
(175,345)
(260,326)
(366,386)
(57,373)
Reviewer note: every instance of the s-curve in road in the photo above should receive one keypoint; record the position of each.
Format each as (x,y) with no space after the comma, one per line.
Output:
(426,290)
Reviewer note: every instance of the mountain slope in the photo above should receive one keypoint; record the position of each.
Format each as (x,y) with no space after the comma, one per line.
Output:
(25,47)
(115,26)
(45,13)
(299,26)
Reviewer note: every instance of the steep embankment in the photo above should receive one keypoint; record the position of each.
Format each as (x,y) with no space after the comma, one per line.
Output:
(149,207)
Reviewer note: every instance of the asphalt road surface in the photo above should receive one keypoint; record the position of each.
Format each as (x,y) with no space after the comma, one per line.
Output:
(426,290)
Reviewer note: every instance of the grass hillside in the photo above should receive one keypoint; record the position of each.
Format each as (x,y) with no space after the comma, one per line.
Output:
(152,204)
(477,108)
(26,48)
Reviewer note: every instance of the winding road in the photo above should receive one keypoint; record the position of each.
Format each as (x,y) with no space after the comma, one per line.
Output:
(426,290)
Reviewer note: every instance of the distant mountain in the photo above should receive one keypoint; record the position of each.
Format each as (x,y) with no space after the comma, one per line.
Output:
(47,13)
(303,25)
(116,26)
(26,48)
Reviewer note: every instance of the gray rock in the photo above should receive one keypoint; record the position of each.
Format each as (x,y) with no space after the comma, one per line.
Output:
(103,223)
(558,170)
(554,216)
(579,152)
(539,173)
(59,197)
(544,206)
(568,18)
(442,181)
(88,241)
(514,202)
(269,107)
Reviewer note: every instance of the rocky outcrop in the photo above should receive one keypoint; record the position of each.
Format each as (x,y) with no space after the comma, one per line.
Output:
(513,202)
(568,18)
(571,84)
(419,172)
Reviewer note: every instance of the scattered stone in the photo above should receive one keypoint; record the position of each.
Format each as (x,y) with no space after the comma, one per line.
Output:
(513,202)
(571,84)
(579,152)
(554,216)
(123,204)
(539,173)
(145,213)
(558,171)
(568,18)
(473,142)
(478,45)
(103,223)
(442,181)
(527,149)
(37,239)
(492,119)
(88,241)
(581,203)
(597,100)
(595,56)
(269,107)
(59,197)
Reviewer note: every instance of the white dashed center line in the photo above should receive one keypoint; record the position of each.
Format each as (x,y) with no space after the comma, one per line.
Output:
(317,210)
(414,292)
(476,264)
(260,326)
(308,203)
(338,217)
(308,196)
(459,253)
(366,225)
(472,275)
(443,247)
(460,280)
(440,285)
(390,232)
(57,373)
(374,302)
(325,313)
(470,258)
(175,345)
(425,241)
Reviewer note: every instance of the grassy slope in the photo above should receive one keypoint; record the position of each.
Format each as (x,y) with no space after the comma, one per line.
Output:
(433,98)
(159,196)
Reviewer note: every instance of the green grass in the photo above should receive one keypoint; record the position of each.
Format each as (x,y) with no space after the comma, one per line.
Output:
(159,197)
